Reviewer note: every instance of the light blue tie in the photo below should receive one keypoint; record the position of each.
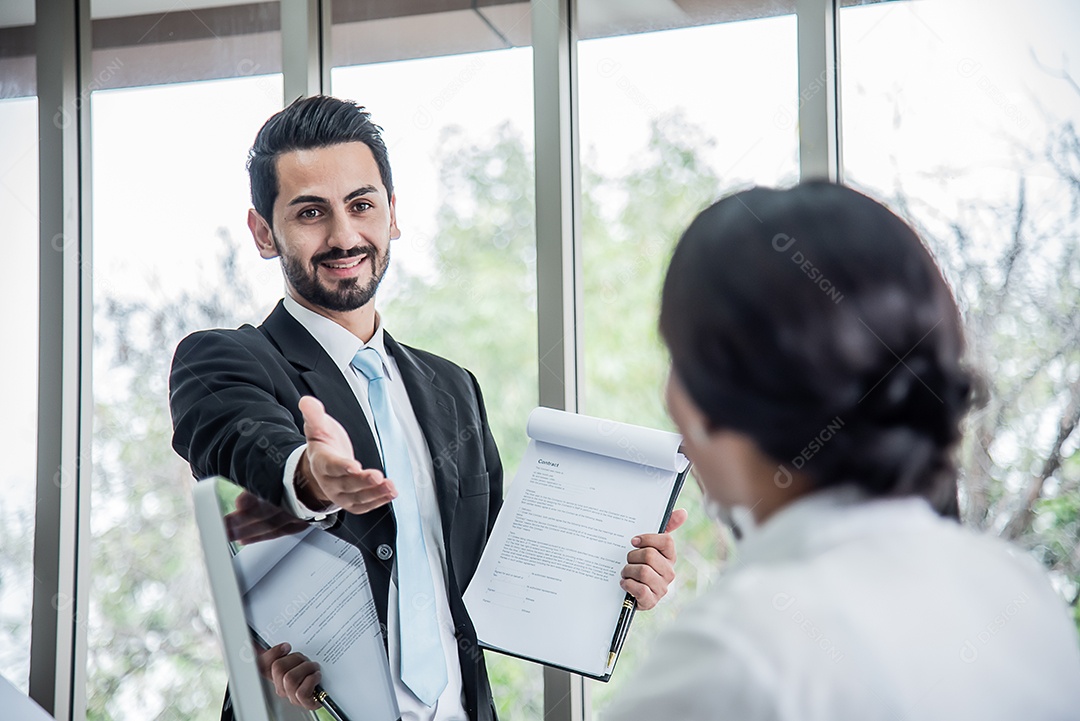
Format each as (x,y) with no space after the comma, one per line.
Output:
(423,668)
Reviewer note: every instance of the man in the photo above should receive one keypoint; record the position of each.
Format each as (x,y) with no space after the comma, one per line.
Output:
(322,411)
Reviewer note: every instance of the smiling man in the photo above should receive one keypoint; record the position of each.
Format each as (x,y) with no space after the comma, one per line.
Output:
(321,411)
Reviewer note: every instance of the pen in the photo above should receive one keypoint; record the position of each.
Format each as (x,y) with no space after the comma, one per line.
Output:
(630,603)
(628,606)
(328,703)
(320,695)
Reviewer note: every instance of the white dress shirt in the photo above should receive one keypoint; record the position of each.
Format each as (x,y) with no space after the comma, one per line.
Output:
(341,345)
(844,608)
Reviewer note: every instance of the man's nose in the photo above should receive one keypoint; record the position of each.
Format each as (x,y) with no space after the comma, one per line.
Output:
(342,233)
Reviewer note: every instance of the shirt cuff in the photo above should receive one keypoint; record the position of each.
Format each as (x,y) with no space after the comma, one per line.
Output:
(292,501)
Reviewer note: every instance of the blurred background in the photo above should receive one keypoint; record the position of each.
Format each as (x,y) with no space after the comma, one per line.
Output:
(961,115)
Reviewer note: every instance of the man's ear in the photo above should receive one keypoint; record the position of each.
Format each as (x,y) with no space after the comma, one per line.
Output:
(394,232)
(262,233)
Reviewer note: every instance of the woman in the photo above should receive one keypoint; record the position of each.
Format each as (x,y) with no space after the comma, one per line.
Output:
(816,378)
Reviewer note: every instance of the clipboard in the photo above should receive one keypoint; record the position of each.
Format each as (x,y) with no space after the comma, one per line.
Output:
(622,628)
(253,698)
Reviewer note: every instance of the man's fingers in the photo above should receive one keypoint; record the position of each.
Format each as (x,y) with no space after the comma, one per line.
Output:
(356,492)
(662,542)
(340,477)
(300,682)
(368,483)
(321,427)
(367,499)
(312,409)
(650,568)
(329,466)
(678,517)
(654,559)
(292,674)
(647,595)
(264,659)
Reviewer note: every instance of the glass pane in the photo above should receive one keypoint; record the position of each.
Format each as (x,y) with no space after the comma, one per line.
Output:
(459,130)
(290,581)
(171,255)
(973,139)
(19,363)
(660,144)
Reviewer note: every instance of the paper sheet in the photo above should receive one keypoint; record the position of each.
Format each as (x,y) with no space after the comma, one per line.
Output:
(317,597)
(547,586)
(620,441)
(18,706)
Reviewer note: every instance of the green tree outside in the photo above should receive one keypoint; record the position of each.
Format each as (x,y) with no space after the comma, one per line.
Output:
(151,636)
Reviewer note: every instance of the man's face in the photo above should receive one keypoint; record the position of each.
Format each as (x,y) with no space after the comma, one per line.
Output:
(332,226)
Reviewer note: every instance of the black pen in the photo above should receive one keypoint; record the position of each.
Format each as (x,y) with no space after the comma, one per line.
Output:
(328,703)
(629,603)
(628,606)
(319,695)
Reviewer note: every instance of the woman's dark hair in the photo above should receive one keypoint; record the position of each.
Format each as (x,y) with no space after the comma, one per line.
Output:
(316,122)
(816,322)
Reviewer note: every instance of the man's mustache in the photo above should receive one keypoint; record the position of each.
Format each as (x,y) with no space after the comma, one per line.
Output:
(341,254)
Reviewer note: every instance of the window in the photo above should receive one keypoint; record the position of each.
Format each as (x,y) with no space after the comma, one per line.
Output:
(459,132)
(661,140)
(19,297)
(961,114)
(973,138)
(172,124)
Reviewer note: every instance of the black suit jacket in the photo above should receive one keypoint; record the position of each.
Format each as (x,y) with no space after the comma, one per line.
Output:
(234,397)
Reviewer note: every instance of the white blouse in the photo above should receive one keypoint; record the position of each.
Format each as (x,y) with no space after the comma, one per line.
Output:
(844,608)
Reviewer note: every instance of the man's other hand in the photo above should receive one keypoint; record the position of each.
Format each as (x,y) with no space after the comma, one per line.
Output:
(328,473)
(650,567)
(294,675)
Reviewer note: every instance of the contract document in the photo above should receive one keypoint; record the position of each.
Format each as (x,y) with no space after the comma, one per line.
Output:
(311,589)
(547,587)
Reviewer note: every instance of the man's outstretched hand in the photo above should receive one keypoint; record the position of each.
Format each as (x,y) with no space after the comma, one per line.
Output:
(650,567)
(328,473)
(255,520)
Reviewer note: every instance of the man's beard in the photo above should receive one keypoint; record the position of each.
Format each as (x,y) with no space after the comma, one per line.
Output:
(347,294)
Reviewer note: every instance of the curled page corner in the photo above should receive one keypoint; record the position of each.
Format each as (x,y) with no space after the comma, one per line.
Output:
(613,439)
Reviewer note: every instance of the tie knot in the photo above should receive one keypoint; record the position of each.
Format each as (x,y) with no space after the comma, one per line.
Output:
(369,362)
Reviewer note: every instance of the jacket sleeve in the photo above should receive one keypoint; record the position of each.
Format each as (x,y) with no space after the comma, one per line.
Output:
(229,414)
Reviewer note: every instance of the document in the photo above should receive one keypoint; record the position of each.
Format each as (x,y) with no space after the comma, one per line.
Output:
(18,706)
(311,590)
(547,586)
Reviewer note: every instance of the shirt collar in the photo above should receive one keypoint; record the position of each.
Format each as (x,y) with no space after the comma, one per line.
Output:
(828,518)
(338,342)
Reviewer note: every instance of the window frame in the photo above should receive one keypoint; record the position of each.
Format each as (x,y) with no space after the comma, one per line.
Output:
(65,400)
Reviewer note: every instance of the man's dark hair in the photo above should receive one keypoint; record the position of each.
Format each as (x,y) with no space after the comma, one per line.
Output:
(315,122)
(816,322)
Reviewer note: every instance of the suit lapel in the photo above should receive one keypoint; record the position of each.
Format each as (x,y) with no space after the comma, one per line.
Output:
(325,381)
(435,410)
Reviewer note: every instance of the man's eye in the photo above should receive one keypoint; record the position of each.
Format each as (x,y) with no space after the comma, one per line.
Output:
(309,213)
(362,206)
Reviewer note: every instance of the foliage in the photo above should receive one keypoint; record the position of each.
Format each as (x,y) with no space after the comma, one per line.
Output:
(1014,267)
(152,650)
(150,633)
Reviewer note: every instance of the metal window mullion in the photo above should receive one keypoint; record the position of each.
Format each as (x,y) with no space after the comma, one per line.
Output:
(558,256)
(305,48)
(818,101)
(61,528)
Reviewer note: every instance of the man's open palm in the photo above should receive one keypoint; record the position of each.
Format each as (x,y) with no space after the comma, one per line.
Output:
(328,466)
